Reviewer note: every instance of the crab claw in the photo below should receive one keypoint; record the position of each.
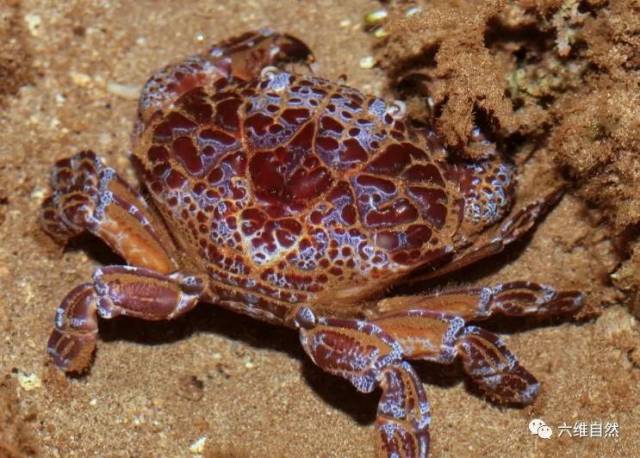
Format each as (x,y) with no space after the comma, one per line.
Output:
(251,51)
(289,48)
(241,57)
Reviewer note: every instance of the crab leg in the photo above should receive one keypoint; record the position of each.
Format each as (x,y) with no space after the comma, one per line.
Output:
(441,337)
(116,290)
(519,298)
(368,357)
(89,196)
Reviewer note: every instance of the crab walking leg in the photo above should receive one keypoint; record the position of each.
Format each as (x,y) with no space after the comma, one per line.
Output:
(519,298)
(516,226)
(116,290)
(364,354)
(402,423)
(440,337)
(87,195)
(73,338)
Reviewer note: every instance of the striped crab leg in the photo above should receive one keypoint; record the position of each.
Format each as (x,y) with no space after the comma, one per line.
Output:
(368,357)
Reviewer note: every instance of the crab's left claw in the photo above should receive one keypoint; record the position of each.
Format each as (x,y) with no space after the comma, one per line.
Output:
(242,57)
(249,53)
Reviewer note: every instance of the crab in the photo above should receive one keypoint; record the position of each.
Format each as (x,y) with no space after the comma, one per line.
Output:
(301,202)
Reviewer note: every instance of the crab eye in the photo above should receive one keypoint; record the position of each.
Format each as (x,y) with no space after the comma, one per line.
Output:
(305,318)
(397,109)
(269,72)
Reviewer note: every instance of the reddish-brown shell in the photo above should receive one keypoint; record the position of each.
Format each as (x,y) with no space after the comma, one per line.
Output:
(289,189)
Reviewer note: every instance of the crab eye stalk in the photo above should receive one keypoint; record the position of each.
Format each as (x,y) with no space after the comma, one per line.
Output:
(305,318)
(397,109)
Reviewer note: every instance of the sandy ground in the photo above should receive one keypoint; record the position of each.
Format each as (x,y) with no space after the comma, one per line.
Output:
(247,387)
